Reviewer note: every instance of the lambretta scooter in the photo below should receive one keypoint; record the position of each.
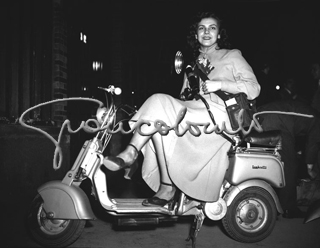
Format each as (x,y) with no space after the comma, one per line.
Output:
(247,206)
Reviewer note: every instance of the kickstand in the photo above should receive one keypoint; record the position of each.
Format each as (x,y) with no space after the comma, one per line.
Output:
(195,228)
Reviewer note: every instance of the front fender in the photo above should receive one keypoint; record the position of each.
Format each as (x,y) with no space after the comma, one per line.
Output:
(234,191)
(65,202)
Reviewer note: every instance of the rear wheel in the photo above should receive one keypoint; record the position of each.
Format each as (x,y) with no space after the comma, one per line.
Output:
(51,232)
(251,216)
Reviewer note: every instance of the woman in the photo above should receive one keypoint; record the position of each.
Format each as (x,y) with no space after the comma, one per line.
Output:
(195,164)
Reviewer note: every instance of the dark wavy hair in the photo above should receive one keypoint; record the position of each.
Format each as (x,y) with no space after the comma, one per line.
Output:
(193,45)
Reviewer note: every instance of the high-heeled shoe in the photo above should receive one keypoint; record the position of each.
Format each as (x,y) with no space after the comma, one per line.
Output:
(156,201)
(116,163)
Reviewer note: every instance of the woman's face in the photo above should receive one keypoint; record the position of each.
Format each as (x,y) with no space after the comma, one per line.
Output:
(207,32)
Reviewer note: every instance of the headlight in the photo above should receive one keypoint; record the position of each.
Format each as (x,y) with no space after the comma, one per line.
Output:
(101,114)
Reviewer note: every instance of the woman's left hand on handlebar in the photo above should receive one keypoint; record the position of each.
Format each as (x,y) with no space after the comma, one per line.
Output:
(210,86)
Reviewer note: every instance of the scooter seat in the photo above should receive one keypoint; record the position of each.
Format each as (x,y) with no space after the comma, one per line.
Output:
(270,138)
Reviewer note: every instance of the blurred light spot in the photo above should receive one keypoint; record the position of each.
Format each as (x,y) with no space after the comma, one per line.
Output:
(97,66)
(83,37)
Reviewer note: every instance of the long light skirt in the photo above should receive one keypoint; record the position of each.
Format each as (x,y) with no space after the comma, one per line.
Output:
(196,163)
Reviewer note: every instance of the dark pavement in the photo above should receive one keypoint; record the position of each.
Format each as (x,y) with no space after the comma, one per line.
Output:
(288,233)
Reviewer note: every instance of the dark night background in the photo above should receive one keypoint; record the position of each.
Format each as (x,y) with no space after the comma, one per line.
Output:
(136,42)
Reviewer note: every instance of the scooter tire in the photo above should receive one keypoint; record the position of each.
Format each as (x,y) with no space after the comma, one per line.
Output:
(251,216)
(51,232)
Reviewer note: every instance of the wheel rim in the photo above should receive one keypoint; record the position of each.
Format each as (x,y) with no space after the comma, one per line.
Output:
(50,226)
(251,215)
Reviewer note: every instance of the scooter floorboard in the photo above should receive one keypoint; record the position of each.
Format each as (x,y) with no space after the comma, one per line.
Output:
(127,205)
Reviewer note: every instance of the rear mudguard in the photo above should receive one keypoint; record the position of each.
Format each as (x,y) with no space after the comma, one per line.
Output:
(235,190)
(65,202)
(313,212)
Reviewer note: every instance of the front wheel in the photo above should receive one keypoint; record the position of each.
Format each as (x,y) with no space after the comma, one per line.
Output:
(251,216)
(51,232)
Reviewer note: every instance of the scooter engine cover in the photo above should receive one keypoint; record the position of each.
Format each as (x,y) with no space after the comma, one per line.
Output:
(255,164)
(215,210)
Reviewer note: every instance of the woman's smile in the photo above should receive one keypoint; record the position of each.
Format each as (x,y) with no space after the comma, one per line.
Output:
(206,37)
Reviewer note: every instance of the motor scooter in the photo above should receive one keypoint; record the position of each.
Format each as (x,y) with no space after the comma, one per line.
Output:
(248,205)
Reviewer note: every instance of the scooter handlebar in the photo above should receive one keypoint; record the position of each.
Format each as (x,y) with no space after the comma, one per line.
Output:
(111,89)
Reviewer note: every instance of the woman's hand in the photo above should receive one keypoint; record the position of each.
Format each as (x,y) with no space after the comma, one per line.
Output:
(210,86)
